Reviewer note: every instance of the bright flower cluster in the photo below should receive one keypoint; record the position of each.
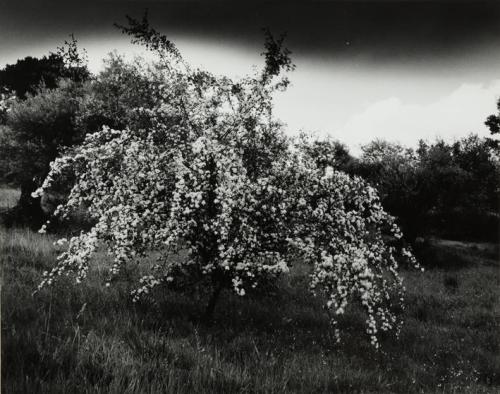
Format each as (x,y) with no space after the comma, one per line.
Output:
(211,178)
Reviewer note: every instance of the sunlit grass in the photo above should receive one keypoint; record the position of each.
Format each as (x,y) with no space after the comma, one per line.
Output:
(8,197)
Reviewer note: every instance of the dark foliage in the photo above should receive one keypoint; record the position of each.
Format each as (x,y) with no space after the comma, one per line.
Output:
(442,189)
(27,75)
(113,96)
(35,132)
(493,123)
(277,57)
(38,126)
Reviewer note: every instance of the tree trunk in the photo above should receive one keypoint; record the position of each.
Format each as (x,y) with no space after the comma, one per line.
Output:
(212,303)
(28,209)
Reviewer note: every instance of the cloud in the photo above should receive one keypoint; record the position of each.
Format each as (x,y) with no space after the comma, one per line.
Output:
(462,111)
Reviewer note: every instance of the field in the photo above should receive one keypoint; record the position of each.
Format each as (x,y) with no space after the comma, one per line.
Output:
(90,338)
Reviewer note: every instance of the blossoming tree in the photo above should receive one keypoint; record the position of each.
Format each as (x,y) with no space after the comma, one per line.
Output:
(212,178)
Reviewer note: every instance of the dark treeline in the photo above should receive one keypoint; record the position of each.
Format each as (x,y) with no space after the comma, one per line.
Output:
(441,189)
(47,105)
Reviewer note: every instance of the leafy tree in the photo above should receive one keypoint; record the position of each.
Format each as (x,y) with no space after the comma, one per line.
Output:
(326,153)
(40,123)
(449,190)
(211,178)
(460,182)
(394,170)
(474,156)
(116,93)
(7,99)
(493,123)
(29,74)
(36,130)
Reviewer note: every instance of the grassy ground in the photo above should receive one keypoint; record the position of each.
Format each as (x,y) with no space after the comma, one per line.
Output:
(8,197)
(90,338)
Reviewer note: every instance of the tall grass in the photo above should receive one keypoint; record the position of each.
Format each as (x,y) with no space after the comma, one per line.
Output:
(8,197)
(90,338)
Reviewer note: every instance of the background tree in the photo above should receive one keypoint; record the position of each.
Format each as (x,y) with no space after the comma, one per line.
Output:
(41,123)
(441,189)
(29,74)
(326,153)
(117,93)
(7,99)
(394,171)
(36,131)
(460,182)
(26,75)
(493,123)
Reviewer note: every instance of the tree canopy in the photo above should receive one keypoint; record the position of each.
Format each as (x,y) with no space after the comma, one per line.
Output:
(208,175)
(30,74)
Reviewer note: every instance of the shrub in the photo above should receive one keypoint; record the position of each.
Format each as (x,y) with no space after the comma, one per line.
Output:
(212,175)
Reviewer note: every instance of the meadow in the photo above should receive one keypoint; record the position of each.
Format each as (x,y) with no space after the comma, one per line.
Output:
(91,338)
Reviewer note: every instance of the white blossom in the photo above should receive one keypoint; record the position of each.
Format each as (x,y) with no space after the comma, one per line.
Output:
(215,177)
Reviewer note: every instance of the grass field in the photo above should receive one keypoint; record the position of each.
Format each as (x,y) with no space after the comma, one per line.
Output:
(8,197)
(90,338)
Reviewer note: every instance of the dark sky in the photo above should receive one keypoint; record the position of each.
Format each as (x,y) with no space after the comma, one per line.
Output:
(361,65)
(377,30)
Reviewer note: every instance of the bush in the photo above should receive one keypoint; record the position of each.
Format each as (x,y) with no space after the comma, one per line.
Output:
(211,178)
